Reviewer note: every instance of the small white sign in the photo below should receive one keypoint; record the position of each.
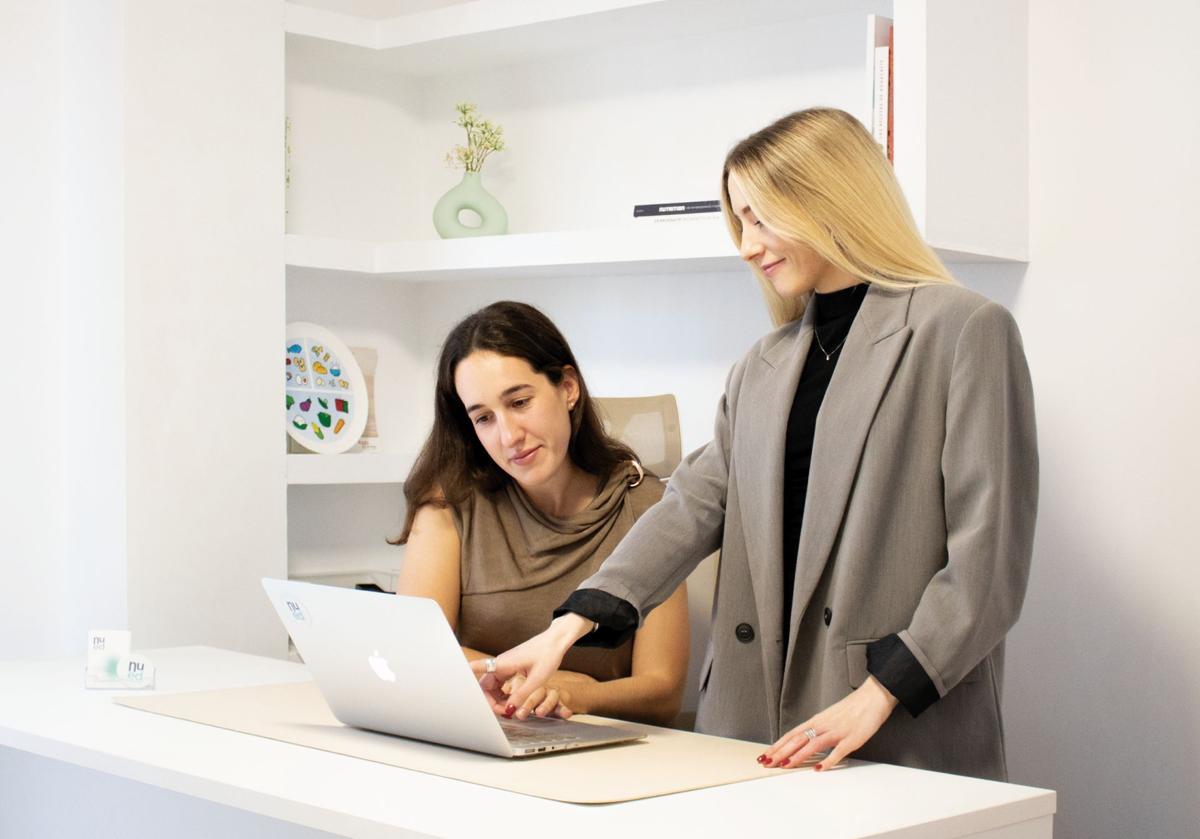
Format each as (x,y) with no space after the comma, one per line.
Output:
(111,666)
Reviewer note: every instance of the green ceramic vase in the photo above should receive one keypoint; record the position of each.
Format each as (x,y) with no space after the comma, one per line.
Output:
(469,195)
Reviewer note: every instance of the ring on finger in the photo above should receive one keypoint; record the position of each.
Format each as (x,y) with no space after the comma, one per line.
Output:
(489,665)
(810,733)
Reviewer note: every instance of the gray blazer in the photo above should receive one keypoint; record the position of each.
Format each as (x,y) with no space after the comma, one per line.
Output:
(918,520)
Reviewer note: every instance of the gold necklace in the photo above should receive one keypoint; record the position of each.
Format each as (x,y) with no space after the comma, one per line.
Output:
(828,353)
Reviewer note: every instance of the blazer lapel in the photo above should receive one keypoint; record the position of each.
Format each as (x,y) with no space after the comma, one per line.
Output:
(761,504)
(873,348)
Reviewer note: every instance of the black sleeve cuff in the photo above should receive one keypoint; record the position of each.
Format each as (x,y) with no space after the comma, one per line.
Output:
(617,618)
(891,662)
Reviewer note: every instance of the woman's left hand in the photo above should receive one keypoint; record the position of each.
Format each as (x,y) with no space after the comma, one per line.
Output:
(840,729)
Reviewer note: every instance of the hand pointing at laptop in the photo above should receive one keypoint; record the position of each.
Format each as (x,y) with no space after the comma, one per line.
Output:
(532,663)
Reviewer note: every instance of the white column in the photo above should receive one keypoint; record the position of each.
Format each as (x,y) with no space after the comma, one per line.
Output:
(204,293)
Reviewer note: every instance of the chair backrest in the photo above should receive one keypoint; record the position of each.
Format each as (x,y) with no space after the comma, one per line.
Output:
(650,426)
(647,424)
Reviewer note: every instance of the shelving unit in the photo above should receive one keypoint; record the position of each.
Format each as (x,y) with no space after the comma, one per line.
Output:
(960,92)
(605,104)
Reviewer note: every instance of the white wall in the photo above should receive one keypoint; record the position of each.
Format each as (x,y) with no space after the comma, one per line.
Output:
(31,558)
(93,285)
(62,502)
(142,193)
(624,331)
(1104,667)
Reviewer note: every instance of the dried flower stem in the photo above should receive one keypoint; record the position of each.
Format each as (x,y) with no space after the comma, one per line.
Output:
(483,138)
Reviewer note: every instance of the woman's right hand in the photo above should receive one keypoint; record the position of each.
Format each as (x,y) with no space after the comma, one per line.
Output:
(537,660)
(549,700)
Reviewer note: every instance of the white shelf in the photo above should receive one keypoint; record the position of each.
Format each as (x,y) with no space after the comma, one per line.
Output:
(676,247)
(349,468)
(652,247)
(485,33)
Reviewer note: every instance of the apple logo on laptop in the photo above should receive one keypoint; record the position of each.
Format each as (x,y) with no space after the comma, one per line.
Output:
(380,666)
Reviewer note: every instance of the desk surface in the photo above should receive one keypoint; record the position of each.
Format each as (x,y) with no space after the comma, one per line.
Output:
(45,710)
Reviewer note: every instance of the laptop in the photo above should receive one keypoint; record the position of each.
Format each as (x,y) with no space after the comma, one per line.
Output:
(390,663)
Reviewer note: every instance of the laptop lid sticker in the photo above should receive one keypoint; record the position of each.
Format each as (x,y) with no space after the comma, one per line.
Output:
(298,612)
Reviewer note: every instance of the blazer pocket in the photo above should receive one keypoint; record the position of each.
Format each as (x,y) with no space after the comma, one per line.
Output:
(976,673)
(706,668)
(856,661)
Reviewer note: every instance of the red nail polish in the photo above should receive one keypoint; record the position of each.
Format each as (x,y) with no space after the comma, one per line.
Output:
(818,767)
(785,761)
(509,710)
(761,758)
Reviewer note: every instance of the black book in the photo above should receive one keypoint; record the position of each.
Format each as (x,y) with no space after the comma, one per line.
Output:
(679,208)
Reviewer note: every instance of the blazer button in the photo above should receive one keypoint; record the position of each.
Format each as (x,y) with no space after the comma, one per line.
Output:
(828,615)
(744,633)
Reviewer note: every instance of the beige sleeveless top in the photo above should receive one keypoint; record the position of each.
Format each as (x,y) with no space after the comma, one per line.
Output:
(519,565)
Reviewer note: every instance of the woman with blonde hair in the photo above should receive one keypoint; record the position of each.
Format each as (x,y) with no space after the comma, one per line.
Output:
(871,483)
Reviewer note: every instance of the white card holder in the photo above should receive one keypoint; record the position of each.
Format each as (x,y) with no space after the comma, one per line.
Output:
(111,666)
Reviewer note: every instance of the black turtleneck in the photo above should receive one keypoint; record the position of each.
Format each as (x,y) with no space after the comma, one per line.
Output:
(833,314)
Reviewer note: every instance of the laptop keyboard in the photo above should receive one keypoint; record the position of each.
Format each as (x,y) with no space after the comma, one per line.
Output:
(519,735)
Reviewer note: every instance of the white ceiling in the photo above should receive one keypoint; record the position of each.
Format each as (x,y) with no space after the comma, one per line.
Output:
(378,8)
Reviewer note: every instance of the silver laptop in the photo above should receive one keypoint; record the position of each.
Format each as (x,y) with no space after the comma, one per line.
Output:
(390,663)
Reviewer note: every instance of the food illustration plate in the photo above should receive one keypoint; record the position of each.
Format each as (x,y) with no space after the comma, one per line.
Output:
(324,390)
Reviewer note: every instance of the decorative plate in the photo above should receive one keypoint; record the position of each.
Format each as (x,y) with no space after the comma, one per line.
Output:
(324,389)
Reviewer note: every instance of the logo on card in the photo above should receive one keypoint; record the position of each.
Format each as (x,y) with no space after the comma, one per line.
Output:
(297,610)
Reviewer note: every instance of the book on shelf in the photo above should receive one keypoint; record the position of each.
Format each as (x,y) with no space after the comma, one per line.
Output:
(881,62)
(891,95)
(676,209)
(879,115)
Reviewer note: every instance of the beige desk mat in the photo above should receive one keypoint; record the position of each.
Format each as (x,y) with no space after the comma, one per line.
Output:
(667,761)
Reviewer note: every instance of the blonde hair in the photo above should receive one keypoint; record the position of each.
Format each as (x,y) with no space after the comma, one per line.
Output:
(817,177)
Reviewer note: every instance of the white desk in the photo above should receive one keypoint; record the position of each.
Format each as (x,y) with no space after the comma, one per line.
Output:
(203,781)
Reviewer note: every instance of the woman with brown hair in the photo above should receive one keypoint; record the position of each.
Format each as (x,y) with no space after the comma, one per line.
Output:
(871,483)
(517,496)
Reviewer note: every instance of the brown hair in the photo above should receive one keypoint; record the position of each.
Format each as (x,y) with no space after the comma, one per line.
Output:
(453,463)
